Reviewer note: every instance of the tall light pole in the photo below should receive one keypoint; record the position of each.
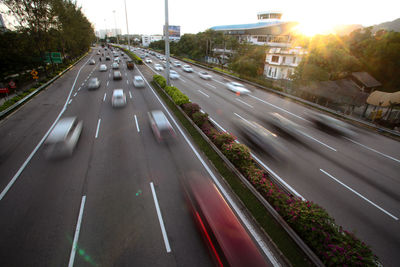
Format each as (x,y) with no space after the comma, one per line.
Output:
(127,30)
(115,23)
(167,39)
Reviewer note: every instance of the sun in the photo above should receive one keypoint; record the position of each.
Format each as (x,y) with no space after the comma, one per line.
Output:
(311,28)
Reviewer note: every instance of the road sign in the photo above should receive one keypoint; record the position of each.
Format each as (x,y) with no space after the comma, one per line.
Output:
(35,77)
(12,84)
(53,57)
(34,72)
(4,90)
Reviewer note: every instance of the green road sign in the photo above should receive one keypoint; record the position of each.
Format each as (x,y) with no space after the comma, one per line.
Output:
(55,57)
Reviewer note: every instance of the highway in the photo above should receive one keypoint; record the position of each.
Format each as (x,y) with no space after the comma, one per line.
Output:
(117,201)
(356,179)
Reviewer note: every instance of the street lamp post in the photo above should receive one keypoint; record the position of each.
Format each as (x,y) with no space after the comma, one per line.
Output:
(167,39)
(115,24)
(127,30)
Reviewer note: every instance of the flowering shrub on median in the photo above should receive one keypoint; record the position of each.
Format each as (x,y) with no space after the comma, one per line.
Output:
(333,245)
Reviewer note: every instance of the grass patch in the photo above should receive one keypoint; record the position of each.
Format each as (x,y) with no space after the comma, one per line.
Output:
(284,242)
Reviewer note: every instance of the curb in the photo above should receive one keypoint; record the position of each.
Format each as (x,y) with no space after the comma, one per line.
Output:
(15,106)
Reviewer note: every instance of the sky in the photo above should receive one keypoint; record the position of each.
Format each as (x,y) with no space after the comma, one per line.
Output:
(148,16)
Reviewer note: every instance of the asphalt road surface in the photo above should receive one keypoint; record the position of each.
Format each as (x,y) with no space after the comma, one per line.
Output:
(117,201)
(356,179)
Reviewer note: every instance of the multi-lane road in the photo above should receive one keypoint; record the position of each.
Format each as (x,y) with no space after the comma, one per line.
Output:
(118,200)
(356,179)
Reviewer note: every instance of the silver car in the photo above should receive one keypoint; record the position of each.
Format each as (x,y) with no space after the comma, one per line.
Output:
(187,68)
(204,75)
(92,62)
(237,88)
(173,75)
(118,98)
(138,81)
(115,66)
(161,127)
(158,67)
(103,67)
(63,138)
(94,83)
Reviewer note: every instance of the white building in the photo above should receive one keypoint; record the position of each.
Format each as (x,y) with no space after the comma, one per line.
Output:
(147,39)
(280,63)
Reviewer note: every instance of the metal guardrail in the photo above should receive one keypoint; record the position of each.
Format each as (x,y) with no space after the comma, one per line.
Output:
(298,99)
(15,106)
(296,238)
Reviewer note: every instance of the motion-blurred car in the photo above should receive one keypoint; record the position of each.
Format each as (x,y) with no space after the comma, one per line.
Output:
(117,75)
(237,88)
(148,60)
(93,83)
(158,67)
(187,68)
(138,81)
(161,127)
(129,64)
(177,64)
(118,98)
(227,240)
(98,53)
(283,125)
(261,139)
(117,59)
(108,58)
(331,125)
(173,75)
(115,66)
(205,75)
(63,138)
(103,67)
(92,62)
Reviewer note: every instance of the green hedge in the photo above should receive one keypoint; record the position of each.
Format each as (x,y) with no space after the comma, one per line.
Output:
(177,96)
(132,55)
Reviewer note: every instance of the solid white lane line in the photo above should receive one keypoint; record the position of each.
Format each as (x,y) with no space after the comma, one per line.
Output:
(244,102)
(182,80)
(164,232)
(211,86)
(108,82)
(366,147)
(240,117)
(98,127)
(21,169)
(104,98)
(76,235)
(284,110)
(137,124)
(316,140)
(130,94)
(69,101)
(228,198)
(79,88)
(75,94)
(219,126)
(203,93)
(361,196)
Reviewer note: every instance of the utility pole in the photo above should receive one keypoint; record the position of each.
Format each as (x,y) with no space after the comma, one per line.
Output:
(115,24)
(127,29)
(167,40)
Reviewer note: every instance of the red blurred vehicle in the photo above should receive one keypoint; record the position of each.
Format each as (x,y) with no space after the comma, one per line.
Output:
(226,238)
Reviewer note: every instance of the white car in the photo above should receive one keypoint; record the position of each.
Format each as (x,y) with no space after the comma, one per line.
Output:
(177,64)
(117,60)
(161,127)
(173,75)
(93,83)
(115,66)
(237,88)
(187,68)
(148,60)
(205,75)
(92,62)
(63,138)
(103,67)
(138,81)
(158,67)
(118,98)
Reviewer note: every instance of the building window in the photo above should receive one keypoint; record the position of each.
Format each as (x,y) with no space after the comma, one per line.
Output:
(262,39)
(283,60)
(294,60)
(269,71)
(275,59)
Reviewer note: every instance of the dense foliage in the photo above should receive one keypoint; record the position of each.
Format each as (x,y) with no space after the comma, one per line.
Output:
(331,57)
(43,26)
